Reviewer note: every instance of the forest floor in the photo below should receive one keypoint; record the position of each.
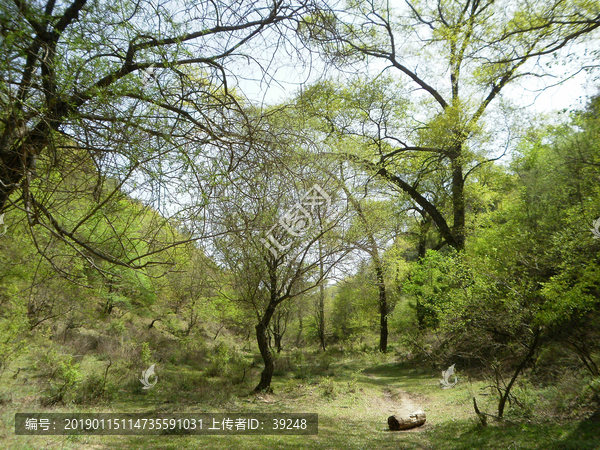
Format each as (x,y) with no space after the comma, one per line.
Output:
(353,397)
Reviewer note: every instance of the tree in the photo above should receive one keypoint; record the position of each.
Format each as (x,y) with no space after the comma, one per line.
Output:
(193,291)
(134,97)
(264,280)
(559,167)
(280,320)
(454,59)
(373,233)
(528,280)
(354,300)
(320,303)
(266,216)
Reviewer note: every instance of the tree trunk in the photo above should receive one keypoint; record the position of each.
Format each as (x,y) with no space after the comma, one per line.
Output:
(383,309)
(528,356)
(277,338)
(585,356)
(300,326)
(383,306)
(321,317)
(280,322)
(422,250)
(374,253)
(108,307)
(321,306)
(269,339)
(458,200)
(263,345)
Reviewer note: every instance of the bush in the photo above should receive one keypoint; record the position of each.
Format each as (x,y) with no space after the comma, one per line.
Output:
(283,365)
(218,361)
(62,374)
(95,388)
(328,388)
(189,351)
(227,362)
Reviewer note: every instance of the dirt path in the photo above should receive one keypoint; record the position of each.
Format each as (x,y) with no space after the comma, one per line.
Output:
(398,401)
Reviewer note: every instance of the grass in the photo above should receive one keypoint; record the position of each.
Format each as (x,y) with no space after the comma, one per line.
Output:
(353,396)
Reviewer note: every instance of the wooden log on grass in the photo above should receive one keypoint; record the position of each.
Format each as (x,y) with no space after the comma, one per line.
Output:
(416,419)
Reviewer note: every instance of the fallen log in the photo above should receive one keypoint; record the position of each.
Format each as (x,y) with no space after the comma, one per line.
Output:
(397,423)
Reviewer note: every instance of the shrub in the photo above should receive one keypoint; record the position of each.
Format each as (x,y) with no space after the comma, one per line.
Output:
(62,374)
(95,388)
(328,387)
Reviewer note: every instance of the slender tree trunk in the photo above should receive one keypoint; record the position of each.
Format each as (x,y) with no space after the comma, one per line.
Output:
(383,310)
(590,364)
(422,250)
(280,323)
(374,253)
(321,306)
(108,306)
(383,305)
(269,339)
(321,317)
(458,200)
(277,338)
(300,326)
(263,345)
(424,227)
(526,359)
(586,357)
(31,314)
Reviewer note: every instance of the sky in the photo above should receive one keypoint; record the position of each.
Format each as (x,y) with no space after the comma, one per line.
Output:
(564,90)
(288,70)
(550,96)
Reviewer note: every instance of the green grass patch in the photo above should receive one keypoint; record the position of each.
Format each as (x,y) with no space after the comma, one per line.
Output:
(353,395)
